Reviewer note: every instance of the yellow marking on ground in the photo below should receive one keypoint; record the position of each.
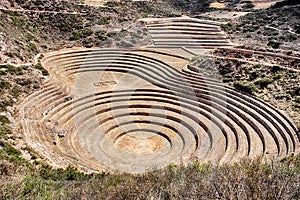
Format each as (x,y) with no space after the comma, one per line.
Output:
(217,5)
(264,4)
(95,2)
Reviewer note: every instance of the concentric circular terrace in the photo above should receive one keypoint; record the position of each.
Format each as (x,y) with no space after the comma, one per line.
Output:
(135,110)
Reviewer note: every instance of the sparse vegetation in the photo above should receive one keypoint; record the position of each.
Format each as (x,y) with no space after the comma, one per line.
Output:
(46,30)
(4,84)
(15,91)
(4,120)
(275,27)
(274,84)
(11,70)
(196,181)
(274,44)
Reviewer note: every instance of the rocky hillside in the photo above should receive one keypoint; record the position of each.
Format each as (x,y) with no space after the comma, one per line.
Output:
(275,27)
(29,27)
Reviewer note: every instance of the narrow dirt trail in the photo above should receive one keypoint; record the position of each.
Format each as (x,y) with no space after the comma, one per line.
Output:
(35,61)
(43,11)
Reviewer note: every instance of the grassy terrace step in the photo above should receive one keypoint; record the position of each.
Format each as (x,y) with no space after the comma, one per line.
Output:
(186,25)
(184,21)
(191,48)
(185,36)
(184,32)
(182,28)
(190,40)
(191,44)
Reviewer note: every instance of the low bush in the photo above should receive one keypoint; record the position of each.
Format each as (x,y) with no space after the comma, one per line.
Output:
(263,82)
(4,131)
(244,86)
(15,91)
(253,75)
(291,37)
(4,120)
(70,173)
(4,84)
(42,69)
(276,68)
(12,69)
(11,153)
(86,32)
(274,44)
(296,105)
(104,20)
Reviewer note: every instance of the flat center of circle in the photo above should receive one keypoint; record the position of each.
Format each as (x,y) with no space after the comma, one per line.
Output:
(140,144)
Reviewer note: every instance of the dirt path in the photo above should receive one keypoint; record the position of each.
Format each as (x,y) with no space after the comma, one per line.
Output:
(35,61)
(247,53)
(44,11)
